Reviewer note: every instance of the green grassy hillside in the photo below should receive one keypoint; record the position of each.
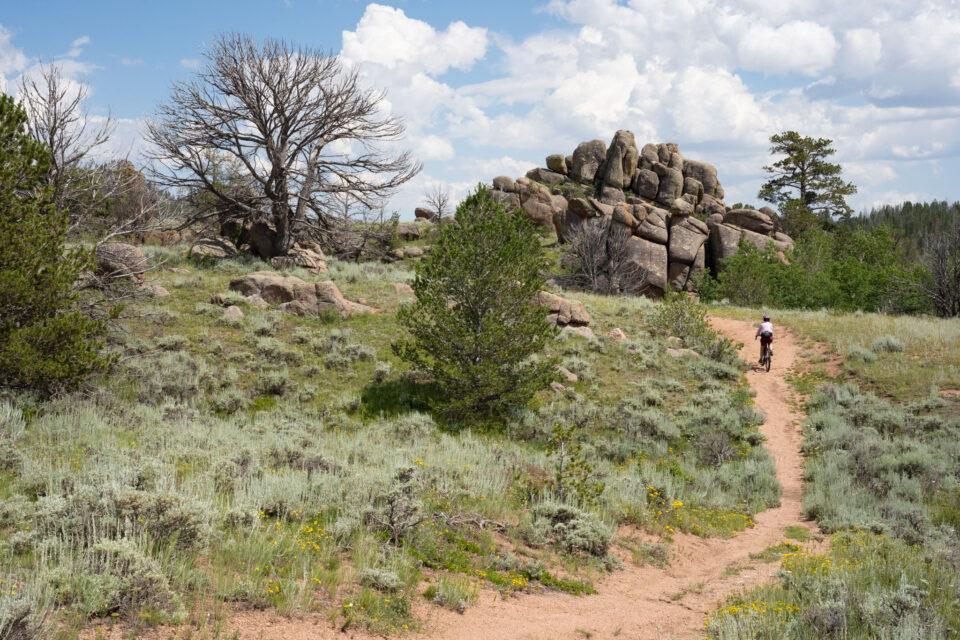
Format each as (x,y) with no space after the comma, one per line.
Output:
(289,463)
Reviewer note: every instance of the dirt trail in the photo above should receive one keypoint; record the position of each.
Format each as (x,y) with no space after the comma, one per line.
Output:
(637,603)
(645,602)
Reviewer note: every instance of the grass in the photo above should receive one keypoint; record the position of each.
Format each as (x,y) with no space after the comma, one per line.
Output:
(291,464)
(882,472)
(900,357)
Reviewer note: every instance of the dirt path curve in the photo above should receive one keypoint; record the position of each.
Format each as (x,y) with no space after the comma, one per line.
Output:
(637,603)
(646,602)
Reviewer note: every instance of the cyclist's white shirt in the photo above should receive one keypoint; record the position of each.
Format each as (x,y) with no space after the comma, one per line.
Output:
(765,326)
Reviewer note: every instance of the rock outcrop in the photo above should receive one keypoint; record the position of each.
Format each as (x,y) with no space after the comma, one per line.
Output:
(563,312)
(213,248)
(672,207)
(293,295)
(120,261)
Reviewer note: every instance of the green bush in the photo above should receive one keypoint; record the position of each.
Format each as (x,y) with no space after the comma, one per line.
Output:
(681,316)
(45,342)
(569,528)
(474,326)
(886,344)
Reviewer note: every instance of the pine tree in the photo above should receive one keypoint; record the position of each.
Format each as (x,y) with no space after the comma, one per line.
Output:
(805,179)
(474,326)
(45,342)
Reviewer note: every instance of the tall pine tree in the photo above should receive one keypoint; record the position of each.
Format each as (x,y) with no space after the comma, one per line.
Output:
(475,326)
(46,343)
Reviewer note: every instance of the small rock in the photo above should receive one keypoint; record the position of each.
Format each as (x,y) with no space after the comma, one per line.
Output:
(155,290)
(232,312)
(413,252)
(556,386)
(178,270)
(256,300)
(679,353)
(617,334)
(568,375)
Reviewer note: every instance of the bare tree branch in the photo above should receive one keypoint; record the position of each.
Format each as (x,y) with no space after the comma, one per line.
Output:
(297,122)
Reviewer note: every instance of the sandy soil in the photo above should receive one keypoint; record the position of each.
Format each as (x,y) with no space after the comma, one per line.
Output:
(637,603)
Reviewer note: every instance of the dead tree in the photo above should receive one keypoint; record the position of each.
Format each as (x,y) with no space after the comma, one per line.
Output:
(941,257)
(599,253)
(438,201)
(56,110)
(298,122)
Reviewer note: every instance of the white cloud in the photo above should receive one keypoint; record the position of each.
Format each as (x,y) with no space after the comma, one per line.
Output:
(76,47)
(387,37)
(12,59)
(131,62)
(190,63)
(433,147)
(796,47)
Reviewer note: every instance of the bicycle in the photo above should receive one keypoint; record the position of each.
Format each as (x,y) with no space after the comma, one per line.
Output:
(767,358)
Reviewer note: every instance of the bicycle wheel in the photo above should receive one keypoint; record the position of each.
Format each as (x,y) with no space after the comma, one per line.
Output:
(768,359)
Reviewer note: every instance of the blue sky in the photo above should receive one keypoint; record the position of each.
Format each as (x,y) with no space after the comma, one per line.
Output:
(491,88)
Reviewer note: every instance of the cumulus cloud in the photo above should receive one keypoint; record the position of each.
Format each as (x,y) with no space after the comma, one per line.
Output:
(76,47)
(387,37)
(795,47)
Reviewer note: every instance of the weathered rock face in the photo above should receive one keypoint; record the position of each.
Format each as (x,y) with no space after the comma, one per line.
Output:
(587,159)
(121,261)
(672,207)
(621,161)
(293,295)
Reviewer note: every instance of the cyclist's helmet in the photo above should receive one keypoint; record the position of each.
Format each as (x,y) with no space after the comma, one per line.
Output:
(766,318)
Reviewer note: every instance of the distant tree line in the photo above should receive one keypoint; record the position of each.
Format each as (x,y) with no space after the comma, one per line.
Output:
(897,258)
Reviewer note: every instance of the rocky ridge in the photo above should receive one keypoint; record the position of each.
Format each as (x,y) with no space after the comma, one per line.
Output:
(672,206)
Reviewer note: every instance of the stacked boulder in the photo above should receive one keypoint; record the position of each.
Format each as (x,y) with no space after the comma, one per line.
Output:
(672,207)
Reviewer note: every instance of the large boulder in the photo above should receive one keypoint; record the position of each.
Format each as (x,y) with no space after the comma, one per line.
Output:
(612,195)
(687,235)
(759,240)
(557,163)
(582,208)
(646,183)
(710,206)
(587,159)
(703,172)
(545,176)
(563,311)
(671,184)
(504,183)
(654,226)
(650,261)
(621,160)
(408,231)
(262,238)
(724,242)
(539,207)
(213,248)
(649,155)
(120,261)
(422,213)
(751,219)
(293,295)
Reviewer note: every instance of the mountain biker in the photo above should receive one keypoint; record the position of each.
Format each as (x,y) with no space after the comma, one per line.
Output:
(765,333)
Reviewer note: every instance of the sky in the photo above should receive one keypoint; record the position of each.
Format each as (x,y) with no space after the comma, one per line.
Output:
(491,88)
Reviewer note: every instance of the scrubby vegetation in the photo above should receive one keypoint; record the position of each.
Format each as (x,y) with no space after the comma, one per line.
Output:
(294,464)
(882,476)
